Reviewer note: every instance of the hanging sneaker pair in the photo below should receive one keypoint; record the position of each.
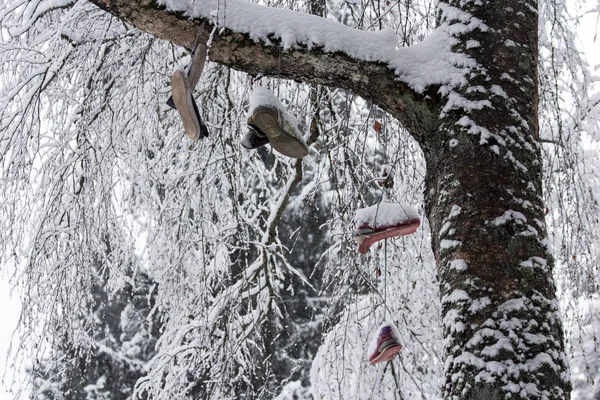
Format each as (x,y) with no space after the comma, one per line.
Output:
(385,345)
(182,85)
(383,221)
(270,123)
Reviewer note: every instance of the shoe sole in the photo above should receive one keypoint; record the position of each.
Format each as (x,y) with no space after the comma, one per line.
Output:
(387,354)
(185,105)
(366,241)
(279,139)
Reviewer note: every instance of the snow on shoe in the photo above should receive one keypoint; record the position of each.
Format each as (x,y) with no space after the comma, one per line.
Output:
(268,118)
(385,344)
(382,221)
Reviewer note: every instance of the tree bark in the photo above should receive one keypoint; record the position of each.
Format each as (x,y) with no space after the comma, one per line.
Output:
(503,333)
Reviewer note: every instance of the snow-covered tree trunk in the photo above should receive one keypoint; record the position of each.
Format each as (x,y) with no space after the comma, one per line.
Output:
(484,203)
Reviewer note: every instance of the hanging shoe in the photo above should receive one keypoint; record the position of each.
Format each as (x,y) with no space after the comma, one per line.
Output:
(186,106)
(383,221)
(196,67)
(386,178)
(182,85)
(269,119)
(387,344)
(253,140)
(194,70)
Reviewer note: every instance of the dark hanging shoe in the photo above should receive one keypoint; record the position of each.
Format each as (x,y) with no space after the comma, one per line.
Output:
(253,140)
(269,119)
(186,106)
(387,344)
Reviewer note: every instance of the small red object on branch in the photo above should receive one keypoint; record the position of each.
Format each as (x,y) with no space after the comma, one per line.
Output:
(377,126)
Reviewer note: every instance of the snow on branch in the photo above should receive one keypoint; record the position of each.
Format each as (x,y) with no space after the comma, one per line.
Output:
(419,66)
(262,40)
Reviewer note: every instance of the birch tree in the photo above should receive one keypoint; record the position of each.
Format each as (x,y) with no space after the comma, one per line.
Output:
(463,85)
(468,95)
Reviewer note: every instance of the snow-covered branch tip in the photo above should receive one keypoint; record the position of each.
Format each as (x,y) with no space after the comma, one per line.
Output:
(285,44)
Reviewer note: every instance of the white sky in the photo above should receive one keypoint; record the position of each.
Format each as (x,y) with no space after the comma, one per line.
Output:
(590,36)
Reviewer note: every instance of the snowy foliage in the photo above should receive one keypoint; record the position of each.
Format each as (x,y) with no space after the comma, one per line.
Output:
(570,127)
(256,284)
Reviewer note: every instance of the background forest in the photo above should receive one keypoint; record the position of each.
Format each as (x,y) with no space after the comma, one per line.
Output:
(147,263)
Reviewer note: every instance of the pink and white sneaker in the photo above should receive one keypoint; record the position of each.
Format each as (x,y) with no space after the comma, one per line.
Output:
(383,221)
(387,345)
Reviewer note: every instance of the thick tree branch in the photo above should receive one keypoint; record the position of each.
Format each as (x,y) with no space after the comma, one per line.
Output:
(373,81)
